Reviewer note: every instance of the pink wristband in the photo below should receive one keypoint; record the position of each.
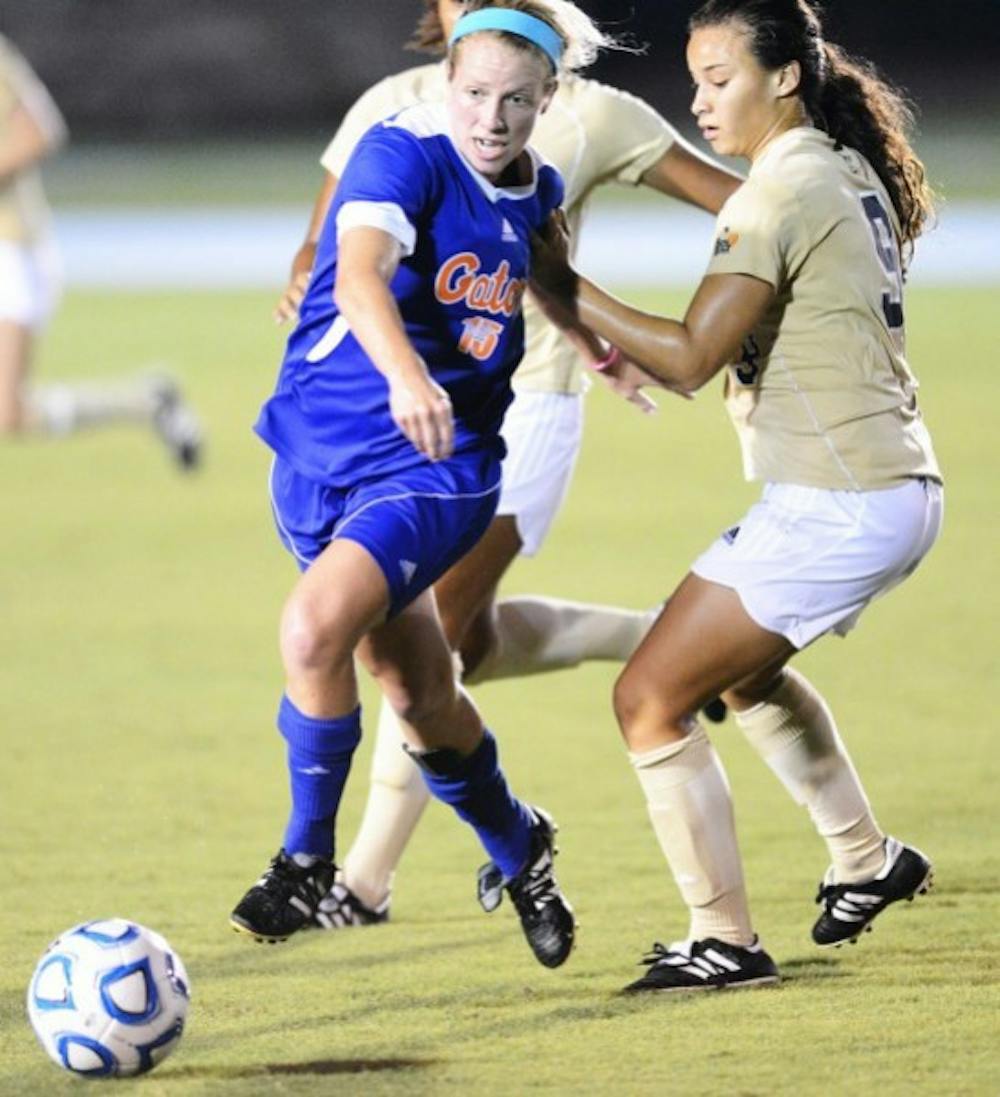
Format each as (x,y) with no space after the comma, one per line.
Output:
(611,359)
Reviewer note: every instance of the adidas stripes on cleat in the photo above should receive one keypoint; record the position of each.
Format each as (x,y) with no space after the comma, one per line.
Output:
(340,908)
(850,909)
(284,899)
(708,964)
(546,917)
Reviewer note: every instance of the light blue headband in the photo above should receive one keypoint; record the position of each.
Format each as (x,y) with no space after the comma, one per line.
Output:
(529,27)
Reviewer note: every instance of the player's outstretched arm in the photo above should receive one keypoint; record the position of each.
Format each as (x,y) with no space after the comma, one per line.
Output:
(683,172)
(683,355)
(366,264)
(302,263)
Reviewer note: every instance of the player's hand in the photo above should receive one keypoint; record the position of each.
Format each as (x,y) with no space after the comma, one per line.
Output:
(627,379)
(288,306)
(421,409)
(551,273)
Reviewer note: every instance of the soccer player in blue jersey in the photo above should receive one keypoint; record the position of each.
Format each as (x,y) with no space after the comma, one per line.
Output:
(385,426)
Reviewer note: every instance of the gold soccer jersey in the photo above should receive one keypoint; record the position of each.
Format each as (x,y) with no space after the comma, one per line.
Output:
(822,394)
(23,212)
(592,133)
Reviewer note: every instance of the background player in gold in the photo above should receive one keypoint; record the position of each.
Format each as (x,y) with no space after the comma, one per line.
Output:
(32,128)
(594,134)
(802,306)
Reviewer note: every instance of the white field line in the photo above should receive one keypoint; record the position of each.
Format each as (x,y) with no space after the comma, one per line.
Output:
(625,246)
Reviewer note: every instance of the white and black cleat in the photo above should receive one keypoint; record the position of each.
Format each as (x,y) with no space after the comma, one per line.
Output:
(850,909)
(284,900)
(708,964)
(175,423)
(341,908)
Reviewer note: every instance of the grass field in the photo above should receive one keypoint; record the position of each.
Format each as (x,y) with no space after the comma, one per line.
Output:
(142,776)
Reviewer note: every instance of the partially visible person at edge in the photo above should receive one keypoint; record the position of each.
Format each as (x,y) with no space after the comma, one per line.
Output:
(385,425)
(31,129)
(802,307)
(594,134)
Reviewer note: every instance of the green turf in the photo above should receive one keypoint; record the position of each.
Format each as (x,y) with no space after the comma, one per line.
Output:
(142,777)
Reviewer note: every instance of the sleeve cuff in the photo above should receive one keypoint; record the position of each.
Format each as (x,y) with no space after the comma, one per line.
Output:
(386,216)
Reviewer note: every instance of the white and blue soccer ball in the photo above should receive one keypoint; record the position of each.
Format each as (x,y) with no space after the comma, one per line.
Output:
(109,999)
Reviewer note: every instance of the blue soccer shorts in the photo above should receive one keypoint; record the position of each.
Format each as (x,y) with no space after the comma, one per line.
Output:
(415,523)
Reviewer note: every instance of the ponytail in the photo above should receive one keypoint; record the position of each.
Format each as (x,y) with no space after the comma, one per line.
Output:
(843,95)
(859,109)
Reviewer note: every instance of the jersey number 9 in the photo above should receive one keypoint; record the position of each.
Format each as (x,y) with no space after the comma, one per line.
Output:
(887,251)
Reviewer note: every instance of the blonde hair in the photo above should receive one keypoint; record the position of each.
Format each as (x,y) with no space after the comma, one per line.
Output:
(582,38)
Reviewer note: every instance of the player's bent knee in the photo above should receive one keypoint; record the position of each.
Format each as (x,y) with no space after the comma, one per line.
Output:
(630,695)
(639,706)
(311,641)
(422,694)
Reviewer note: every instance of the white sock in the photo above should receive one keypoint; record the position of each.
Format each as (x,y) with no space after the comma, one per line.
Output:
(794,732)
(535,635)
(688,798)
(397,797)
(62,409)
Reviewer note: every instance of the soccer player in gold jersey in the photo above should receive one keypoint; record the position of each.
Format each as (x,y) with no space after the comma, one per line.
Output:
(801,307)
(31,129)
(594,134)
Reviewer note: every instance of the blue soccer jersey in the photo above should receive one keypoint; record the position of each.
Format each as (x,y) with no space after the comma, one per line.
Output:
(466,246)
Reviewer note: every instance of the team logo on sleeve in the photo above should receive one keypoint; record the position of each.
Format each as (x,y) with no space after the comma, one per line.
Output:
(460,279)
(726,241)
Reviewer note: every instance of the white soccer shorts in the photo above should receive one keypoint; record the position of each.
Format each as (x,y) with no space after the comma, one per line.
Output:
(806,561)
(30,283)
(543,432)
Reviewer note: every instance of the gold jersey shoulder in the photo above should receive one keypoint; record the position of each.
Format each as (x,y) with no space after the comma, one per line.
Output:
(23,211)
(591,132)
(822,394)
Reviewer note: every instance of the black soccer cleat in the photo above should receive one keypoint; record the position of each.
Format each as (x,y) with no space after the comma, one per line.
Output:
(175,423)
(708,964)
(284,899)
(850,909)
(340,908)
(546,917)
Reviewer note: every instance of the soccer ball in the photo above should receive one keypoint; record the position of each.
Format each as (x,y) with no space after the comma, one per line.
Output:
(109,998)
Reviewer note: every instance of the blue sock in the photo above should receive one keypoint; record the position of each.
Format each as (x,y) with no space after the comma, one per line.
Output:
(479,793)
(319,760)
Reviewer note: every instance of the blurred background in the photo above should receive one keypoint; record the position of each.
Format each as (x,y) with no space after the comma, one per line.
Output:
(207,108)
(145,70)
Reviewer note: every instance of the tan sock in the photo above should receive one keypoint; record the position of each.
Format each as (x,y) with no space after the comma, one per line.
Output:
(397,797)
(794,732)
(692,814)
(535,635)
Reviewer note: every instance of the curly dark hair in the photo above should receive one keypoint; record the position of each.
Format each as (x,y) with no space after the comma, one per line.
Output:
(844,96)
